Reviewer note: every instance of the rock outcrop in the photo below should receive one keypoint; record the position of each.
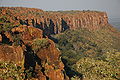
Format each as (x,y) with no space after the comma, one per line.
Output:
(55,22)
(11,54)
(28,33)
(26,47)
(50,63)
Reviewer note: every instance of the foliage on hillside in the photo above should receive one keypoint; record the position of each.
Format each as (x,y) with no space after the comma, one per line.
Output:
(86,48)
(39,44)
(105,69)
(5,24)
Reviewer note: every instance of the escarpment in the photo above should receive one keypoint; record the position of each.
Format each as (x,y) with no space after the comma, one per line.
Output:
(54,22)
(26,47)
(26,36)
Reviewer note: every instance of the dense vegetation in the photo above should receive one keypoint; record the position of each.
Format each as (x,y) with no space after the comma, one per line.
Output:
(93,54)
(9,71)
(39,44)
(5,24)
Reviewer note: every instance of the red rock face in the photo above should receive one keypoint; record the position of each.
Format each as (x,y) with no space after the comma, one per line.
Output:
(11,54)
(28,33)
(19,49)
(50,62)
(56,22)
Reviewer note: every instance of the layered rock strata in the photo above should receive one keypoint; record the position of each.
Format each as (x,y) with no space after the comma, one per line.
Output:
(55,22)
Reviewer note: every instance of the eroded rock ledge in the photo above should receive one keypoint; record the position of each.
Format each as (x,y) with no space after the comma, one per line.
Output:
(55,22)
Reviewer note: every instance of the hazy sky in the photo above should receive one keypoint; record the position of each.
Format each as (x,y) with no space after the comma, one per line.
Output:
(112,7)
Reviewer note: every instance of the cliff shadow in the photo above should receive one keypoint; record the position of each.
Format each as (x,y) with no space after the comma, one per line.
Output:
(5,40)
(46,31)
(29,58)
(37,25)
(29,62)
(64,25)
(53,39)
(41,26)
(24,22)
(33,22)
(51,27)
(32,63)
(57,29)
(69,72)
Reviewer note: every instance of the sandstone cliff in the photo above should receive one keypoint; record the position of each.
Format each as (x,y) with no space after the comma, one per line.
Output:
(54,22)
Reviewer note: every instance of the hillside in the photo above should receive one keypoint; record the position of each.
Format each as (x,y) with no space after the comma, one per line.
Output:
(57,45)
(94,55)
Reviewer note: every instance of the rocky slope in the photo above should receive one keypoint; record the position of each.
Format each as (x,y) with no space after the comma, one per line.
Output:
(26,47)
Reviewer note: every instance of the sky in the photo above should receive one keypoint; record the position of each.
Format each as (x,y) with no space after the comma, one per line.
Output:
(109,6)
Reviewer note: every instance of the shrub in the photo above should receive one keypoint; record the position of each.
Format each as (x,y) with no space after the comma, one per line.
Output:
(10,70)
(39,43)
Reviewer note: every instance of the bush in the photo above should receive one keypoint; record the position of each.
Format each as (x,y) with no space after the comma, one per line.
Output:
(6,27)
(10,70)
(39,44)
